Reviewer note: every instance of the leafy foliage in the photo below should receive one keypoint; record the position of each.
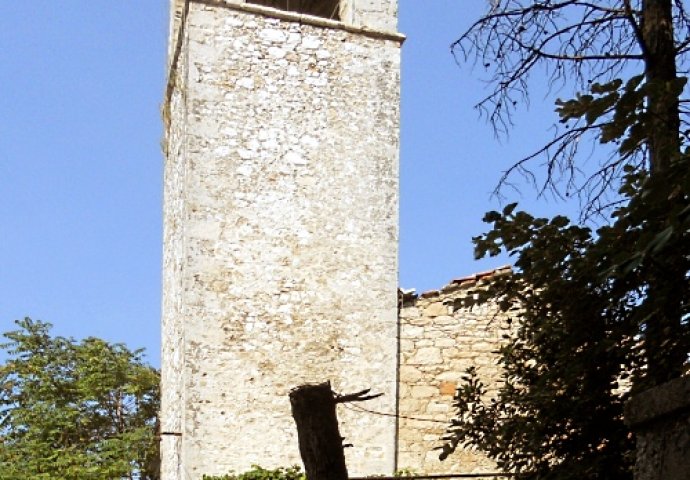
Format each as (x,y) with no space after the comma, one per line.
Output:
(77,410)
(606,312)
(587,314)
(259,473)
(281,473)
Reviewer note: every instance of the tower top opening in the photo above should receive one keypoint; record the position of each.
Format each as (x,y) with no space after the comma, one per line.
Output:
(319,8)
(377,15)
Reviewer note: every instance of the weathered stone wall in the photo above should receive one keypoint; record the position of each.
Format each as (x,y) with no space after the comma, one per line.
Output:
(661,419)
(438,342)
(281,233)
(173,288)
(376,14)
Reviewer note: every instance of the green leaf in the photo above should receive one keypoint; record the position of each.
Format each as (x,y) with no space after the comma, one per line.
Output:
(78,410)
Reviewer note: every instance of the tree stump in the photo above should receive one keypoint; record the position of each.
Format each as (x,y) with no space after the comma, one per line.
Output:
(320,443)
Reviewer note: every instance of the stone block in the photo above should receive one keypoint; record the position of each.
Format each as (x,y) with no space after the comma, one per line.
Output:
(427,356)
(447,388)
(423,391)
(436,309)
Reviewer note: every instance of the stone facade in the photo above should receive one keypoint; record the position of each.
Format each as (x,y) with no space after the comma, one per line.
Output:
(280,246)
(660,417)
(280,230)
(439,340)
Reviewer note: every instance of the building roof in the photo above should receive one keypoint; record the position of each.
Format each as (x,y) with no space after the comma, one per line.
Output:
(456,284)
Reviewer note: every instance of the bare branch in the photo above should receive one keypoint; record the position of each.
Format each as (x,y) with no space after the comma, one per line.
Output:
(576,43)
(360,396)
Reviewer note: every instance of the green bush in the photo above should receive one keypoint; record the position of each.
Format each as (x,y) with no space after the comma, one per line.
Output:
(258,473)
(405,472)
(282,473)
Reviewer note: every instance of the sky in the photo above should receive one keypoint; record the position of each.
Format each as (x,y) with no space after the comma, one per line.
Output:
(81,164)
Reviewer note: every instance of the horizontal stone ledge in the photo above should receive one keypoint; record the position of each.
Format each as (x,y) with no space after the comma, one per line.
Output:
(664,400)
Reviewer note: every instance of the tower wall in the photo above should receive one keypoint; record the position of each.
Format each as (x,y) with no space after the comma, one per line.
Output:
(281,232)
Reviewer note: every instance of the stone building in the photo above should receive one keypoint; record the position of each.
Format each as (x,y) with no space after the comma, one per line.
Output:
(281,242)
(280,227)
(439,339)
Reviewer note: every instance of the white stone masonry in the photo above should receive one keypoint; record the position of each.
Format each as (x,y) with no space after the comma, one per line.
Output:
(281,232)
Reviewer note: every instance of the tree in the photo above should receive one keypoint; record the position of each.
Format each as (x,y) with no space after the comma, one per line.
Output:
(78,410)
(320,444)
(588,45)
(604,306)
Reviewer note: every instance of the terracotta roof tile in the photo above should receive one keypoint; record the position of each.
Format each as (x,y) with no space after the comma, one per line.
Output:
(482,275)
(409,294)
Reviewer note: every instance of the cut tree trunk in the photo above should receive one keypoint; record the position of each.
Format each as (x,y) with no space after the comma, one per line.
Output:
(320,443)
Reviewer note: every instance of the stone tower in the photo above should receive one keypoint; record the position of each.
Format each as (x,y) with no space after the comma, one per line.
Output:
(280,227)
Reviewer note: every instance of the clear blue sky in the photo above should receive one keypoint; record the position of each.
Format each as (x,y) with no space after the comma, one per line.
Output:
(81,166)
